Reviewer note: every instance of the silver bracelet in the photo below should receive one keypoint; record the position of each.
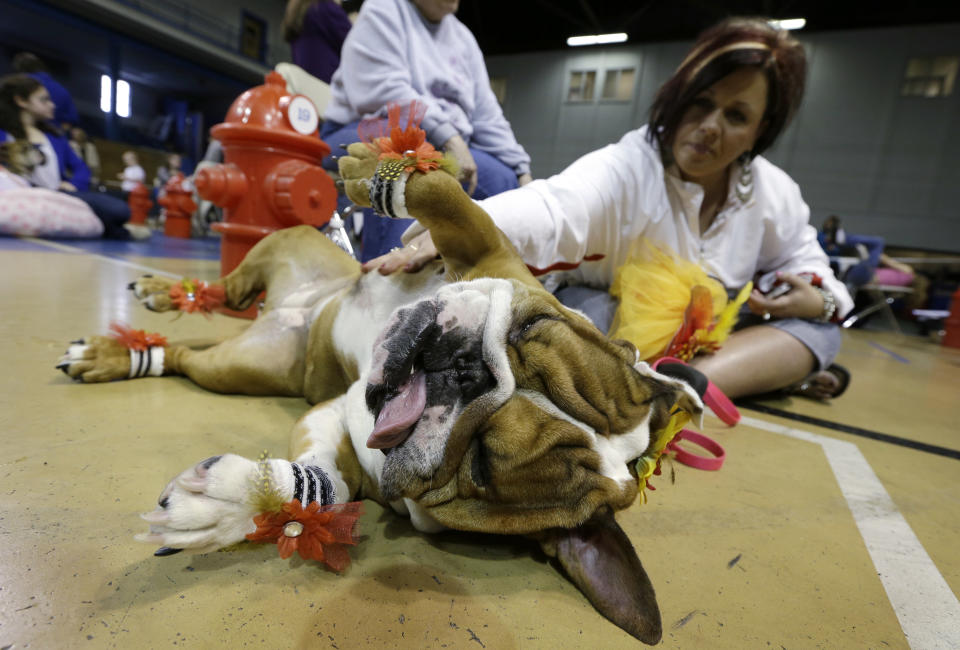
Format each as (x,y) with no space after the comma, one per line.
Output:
(829,305)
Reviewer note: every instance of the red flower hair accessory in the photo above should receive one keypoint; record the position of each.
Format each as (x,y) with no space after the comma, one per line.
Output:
(194,295)
(405,144)
(135,339)
(316,532)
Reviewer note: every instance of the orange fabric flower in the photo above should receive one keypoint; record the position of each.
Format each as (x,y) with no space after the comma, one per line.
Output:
(316,532)
(193,295)
(135,339)
(697,321)
(408,144)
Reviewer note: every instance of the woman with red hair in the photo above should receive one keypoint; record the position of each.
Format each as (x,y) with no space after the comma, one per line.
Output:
(693,181)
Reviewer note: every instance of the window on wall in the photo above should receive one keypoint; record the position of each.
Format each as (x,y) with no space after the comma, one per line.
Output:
(618,84)
(930,76)
(122,105)
(582,83)
(253,36)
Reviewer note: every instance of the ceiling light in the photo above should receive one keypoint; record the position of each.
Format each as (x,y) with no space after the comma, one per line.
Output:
(596,39)
(788,23)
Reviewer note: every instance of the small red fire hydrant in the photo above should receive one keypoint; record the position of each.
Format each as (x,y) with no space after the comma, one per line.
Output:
(139,203)
(271,176)
(180,206)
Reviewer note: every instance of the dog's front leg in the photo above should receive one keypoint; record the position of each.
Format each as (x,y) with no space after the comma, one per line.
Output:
(213,504)
(466,237)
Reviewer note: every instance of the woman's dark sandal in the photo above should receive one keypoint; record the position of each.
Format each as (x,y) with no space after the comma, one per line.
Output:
(807,388)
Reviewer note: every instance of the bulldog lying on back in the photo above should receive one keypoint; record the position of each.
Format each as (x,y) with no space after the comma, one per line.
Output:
(464,395)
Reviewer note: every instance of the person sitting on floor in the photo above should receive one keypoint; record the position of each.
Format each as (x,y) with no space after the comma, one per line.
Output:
(65,112)
(26,111)
(404,50)
(132,174)
(316,30)
(694,181)
(87,152)
(837,242)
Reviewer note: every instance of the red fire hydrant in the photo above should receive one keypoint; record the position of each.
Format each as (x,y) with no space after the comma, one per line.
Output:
(180,206)
(139,203)
(951,336)
(271,176)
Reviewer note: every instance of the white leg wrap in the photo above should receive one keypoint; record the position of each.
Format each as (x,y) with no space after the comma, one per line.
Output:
(146,362)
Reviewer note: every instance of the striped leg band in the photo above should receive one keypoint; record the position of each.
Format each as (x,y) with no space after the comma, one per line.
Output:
(310,483)
(387,188)
(146,362)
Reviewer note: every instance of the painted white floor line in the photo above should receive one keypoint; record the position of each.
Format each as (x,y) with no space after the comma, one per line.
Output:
(928,611)
(113,260)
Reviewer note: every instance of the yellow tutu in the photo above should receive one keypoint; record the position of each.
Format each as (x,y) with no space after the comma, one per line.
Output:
(670,307)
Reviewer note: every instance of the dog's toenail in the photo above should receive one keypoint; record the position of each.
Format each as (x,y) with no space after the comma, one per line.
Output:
(165,551)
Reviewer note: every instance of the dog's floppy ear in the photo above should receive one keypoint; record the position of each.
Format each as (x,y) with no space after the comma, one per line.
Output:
(599,558)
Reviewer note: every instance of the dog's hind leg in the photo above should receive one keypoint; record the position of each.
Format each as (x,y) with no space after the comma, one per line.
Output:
(287,262)
(266,359)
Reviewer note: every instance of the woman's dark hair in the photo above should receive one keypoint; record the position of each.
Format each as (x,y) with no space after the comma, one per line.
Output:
(730,45)
(12,86)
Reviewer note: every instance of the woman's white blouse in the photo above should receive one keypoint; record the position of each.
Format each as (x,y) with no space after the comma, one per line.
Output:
(591,213)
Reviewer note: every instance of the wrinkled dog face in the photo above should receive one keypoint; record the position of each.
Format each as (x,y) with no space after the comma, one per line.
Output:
(502,411)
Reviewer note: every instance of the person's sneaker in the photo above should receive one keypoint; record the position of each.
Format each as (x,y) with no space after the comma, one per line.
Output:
(137,231)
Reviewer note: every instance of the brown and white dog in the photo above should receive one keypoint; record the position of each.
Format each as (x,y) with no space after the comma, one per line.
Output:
(465,396)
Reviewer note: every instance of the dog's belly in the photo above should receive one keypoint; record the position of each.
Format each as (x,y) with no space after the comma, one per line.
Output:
(366,308)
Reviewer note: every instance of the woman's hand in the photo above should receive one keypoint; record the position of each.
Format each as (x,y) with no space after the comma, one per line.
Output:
(803,301)
(67,187)
(468,166)
(410,258)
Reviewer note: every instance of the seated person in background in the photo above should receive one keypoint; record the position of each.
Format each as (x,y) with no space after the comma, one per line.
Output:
(315,30)
(693,181)
(65,113)
(87,152)
(27,211)
(132,174)
(836,242)
(892,273)
(26,111)
(404,50)
(167,171)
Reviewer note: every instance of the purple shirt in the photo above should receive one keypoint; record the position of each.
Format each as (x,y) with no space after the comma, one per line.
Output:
(317,48)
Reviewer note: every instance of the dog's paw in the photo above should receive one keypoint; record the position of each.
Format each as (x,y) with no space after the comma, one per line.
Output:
(207,507)
(95,360)
(153,292)
(355,169)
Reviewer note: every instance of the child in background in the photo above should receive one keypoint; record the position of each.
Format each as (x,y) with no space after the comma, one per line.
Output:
(132,173)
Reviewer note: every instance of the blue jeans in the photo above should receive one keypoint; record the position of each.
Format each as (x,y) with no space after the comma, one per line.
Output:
(110,210)
(862,273)
(380,234)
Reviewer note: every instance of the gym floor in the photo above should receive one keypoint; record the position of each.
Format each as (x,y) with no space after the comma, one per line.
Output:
(829,526)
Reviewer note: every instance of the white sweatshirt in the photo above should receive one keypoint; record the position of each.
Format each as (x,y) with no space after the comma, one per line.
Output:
(602,203)
(393,54)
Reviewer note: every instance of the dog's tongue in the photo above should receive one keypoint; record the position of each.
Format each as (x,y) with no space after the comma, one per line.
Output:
(400,413)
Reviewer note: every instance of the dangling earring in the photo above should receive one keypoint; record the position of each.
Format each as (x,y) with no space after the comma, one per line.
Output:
(744,188)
